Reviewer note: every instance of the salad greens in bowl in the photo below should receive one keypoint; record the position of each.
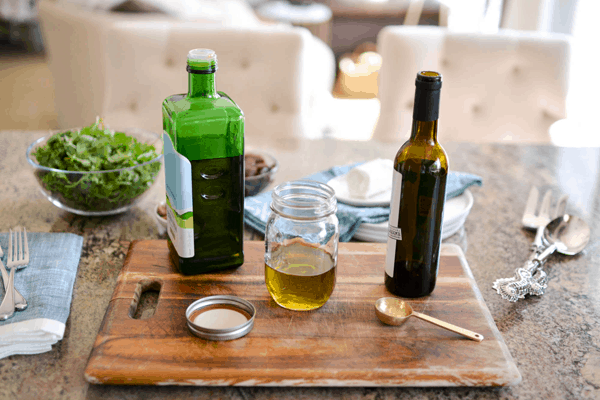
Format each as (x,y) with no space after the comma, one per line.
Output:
(95,170)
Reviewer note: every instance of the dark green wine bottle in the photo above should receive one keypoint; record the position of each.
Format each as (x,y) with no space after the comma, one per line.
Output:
(204,172)
(418,197)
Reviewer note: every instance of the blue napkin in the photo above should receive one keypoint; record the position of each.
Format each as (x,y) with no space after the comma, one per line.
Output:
(47,285)
(257,208)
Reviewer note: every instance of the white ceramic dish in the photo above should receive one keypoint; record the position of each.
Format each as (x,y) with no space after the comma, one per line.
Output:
(456,209)
(381,237)
(455,214)
(340,186)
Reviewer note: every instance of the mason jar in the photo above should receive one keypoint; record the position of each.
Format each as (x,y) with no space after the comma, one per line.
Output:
(301,245)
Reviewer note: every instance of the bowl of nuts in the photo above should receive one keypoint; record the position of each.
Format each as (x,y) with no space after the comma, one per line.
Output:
(260,167)
(160,213)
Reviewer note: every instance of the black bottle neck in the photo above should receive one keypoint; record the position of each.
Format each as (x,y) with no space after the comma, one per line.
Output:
(426,113)
(427,104)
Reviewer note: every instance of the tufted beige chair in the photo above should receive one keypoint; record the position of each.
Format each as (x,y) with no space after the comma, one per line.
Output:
(121,67)
(509,86)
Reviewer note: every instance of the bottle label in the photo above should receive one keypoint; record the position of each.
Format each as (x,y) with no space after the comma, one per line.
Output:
(178,182)
(394,232)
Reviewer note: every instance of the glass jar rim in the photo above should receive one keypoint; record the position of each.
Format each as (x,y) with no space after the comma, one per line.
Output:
(304,199)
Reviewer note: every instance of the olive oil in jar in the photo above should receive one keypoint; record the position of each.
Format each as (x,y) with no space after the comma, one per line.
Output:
(300,277)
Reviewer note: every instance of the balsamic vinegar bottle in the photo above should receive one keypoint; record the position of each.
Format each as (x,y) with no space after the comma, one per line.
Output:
(204,172)
(418,196)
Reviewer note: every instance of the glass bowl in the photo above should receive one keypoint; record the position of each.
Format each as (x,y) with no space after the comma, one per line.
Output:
(98,193)
(255,184)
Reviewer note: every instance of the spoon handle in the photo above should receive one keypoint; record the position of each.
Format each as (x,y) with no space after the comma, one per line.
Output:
(20,302)
(7,308)
(456,329)
(546,253)
(538,259)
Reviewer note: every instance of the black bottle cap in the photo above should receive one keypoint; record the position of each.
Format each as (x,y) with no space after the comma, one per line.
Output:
(429,80)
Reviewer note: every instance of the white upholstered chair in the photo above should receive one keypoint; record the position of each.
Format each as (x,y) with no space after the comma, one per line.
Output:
(121,67)
(509,86)
(540,15)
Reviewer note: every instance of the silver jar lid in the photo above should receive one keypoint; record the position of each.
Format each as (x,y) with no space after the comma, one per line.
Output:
(220,317)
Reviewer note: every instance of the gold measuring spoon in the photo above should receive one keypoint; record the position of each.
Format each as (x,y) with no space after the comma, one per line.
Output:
(393,311)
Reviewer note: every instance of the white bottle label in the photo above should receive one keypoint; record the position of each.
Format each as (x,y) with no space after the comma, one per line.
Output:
(178,182)
(394,232)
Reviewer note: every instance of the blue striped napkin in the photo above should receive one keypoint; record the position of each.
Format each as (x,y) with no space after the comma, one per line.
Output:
(257,208)
(47,285)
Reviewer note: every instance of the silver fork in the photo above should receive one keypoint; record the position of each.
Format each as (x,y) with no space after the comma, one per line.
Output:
(17,257)
(539,221)
(20,302)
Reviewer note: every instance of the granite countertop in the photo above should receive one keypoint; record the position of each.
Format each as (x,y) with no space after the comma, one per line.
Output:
(554,339)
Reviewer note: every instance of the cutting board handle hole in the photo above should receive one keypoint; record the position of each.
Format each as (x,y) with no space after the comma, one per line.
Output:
(145,299)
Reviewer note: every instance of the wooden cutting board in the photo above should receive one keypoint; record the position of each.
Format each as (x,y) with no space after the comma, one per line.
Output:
(341,344)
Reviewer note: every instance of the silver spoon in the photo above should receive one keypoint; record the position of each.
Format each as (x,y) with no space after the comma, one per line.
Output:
(393,311)
(566,234)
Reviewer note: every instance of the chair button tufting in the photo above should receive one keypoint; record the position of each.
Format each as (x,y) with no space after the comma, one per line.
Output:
(245,64)
(547,114)
(133,106)
(274,108)
(169,62)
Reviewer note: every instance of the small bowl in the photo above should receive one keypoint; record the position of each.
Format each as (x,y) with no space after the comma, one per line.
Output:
(83,192)
(162,222)
(255,184)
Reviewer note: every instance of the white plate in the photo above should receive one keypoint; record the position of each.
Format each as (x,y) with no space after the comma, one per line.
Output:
(369,237)
(340,185)
(458,207)
(456,211)
(455,214)
(366,236)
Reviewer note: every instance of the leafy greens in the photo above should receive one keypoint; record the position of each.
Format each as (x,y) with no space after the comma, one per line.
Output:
(96,148)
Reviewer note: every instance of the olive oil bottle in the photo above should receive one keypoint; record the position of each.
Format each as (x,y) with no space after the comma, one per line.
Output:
(204,172)
(418,197)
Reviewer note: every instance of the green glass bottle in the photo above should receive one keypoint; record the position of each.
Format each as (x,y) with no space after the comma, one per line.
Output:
(418,197)
(204,172)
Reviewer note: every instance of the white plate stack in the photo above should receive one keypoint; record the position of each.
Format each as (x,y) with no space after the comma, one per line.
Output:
(370,185)
(456,211)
